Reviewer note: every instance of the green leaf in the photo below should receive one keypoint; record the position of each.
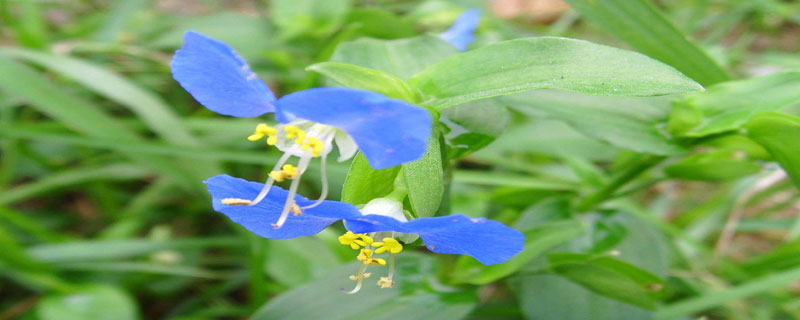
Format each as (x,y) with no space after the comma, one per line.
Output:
(778,133)
(410,299)
(17,265)
(26,84)
(149,107)
(710,300)
(71,177)
(21,81)
(474,125)
(537,240)
(402,57)
(489,178)
(550,137)
(610,277)
(639,24)
(683,117)
(293,262)
(549,296)
(309,17)
(381,24)
(236,29)
(120,15)
(30,25)
(625,122)
(358,77)
(140,148)
(784,257)
(363,183)
(127,268)
(727,106)
(94,302)
(553,297)
(717,166)
(547,62)
(424,180)
(77,251)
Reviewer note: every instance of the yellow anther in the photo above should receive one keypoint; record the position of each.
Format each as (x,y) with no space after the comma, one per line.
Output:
(363,276)
(388,244)
(288,171)
(236,202)
(386,283)
(355,241)
(277,175)
(293,132)
(296,209)
(262,130)
(366,256)
(314,144)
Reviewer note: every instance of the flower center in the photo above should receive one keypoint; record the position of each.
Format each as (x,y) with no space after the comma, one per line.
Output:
(302,139)
(367,249)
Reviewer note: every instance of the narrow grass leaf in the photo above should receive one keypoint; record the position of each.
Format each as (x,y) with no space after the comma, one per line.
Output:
(639,24)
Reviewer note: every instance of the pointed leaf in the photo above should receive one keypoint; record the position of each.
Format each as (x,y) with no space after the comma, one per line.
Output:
(639,23)
(778,133)
(547,62)
(358,77)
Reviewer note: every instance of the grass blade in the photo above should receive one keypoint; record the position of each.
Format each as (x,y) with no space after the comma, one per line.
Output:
(639,24)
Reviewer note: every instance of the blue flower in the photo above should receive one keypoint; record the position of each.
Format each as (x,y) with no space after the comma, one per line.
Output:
(256,218)
(488,241)
(219,78)
(460,33)
(387,131)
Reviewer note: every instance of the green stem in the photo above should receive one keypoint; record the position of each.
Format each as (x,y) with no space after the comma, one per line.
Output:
(606,192)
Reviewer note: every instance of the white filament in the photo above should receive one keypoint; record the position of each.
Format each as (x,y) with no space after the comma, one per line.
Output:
(270,180)
(324,177)
(287,206)
(360,279)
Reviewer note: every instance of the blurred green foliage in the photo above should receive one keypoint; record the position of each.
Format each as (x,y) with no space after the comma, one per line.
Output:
(663,207)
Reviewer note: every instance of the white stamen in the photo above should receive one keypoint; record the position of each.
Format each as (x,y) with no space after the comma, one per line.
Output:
(270,180)
(324,177)
(391,266)
(360,280)
(287,206)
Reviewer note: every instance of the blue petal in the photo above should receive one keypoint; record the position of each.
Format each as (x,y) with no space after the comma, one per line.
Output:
(387,131)
(488,241)
(460,33)
(219,78)
(259,218)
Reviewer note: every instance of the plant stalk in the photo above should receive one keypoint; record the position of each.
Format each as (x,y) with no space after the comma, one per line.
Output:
(593,200)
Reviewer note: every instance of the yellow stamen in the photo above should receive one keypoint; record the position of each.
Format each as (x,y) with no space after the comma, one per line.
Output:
(366,256)
(314,144)
(355,241)
(236,202)
(385,282)
(357,277)
(288,171)
(296,210)
(263,129)
(388,244)
(293,132)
